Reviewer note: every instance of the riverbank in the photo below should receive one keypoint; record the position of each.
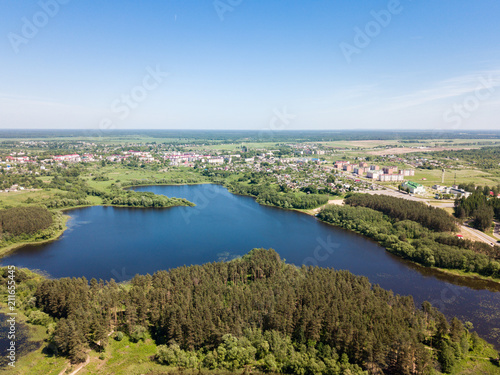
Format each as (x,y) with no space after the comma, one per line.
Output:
(454,272)
(463,274)
(315,211)
(473,276)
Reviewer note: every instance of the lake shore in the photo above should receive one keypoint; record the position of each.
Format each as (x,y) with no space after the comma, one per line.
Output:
(4,250)
(457,273)
(59,232)
(311,212)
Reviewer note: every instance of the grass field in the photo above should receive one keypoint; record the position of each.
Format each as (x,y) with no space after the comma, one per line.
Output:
(433,176)
(482,361)
(370,144)
(19,198)
(118,174)
(115,173)
(366,145)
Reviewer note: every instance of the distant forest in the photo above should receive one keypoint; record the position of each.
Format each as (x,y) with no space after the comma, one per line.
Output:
(254,311)
(193,136)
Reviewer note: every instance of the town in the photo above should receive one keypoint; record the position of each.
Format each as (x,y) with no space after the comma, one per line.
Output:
(289,165)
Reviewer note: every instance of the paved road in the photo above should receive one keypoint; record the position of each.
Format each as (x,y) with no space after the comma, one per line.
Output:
(479,235)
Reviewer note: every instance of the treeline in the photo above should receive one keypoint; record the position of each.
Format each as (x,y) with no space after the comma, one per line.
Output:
(130,198)
(62,201)
(268,196)
(28,224)
(162,181)
(477,246)
(486,190)
(17,221)
(411,240)
(481,207)
(217,137)
(116,196)
(433,218)
(254,311)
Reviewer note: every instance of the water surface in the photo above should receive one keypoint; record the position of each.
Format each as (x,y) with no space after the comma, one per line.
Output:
(107,242)
(22,346)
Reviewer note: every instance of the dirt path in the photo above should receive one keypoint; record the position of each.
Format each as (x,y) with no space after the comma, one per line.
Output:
(338,202)
(87,361)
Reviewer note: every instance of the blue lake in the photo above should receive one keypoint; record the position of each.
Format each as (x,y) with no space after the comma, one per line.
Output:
(107,242)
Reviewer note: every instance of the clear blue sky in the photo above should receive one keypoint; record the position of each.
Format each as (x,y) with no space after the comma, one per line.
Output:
(255,64)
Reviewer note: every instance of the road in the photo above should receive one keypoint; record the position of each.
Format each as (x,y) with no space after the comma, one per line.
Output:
(476,234)
(479,235)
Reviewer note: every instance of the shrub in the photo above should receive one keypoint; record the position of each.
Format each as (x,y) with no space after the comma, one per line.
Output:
(138,333)
(39,318)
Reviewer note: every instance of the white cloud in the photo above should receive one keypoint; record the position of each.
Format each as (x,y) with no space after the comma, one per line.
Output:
(451,88)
